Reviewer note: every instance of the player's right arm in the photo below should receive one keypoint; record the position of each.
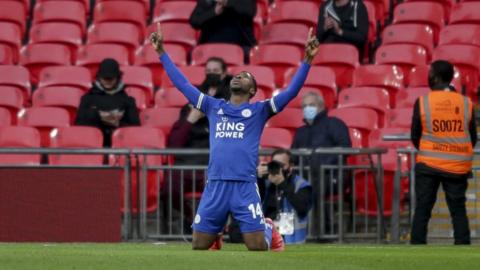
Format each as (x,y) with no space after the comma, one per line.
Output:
(198,99)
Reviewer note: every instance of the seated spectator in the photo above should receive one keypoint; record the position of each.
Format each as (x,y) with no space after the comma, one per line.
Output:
(321,130)
(225,21)
(343,21)
(191,131)
(106,105)
(288,197)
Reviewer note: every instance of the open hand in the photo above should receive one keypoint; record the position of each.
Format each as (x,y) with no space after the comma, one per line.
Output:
(156,38)
(311,47)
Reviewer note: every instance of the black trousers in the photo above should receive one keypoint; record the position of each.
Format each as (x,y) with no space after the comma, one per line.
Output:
(427,182)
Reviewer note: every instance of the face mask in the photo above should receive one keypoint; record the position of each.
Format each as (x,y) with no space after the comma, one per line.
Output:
(309,112)
(213,79)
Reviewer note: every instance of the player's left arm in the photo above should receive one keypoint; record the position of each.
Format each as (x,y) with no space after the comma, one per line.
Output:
(281,100)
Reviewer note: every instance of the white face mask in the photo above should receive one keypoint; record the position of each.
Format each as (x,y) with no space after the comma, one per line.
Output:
(309,112)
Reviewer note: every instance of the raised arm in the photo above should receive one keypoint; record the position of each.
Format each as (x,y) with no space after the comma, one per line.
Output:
(283,98)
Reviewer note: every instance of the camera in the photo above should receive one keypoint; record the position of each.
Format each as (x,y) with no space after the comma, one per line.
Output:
(274,167)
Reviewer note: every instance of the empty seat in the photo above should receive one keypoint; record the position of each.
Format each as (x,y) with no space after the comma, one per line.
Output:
(162,118)
(264,76)
(58,96)
(366,97)
(289,118)
(405,56)
(170,97)
(276,138)
(428,13)
(11,36)
(19,137)
(58,33)
(383,76)
(259,96)
(60,11)
(121,11)
(277,57)
(285,33)
(446,4)
(363,119)
(36,57)
(407,97)
(146,56)
(381,9)
(173,11)
(145,3)
(194,74)
(5,117)
(141,78)
(419,77)
(466,12)
(372,21)
(321,78)
(6,55)
(13,12)
(76,137)
(44,119)
(71,76)
(375,139)
(16,76)
(304,12)
(230,53)
(297,101)
(176,33)
(418,34)
(12,99)
(90,56)
(399,117)
(466,34)
(139,95)
(341,58)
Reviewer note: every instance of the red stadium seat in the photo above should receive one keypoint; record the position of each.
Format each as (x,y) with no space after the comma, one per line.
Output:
(297,101)
(71,76)
(460,34)
(76,137)
(90,56)
(304,12)
(341,58)
(381,9)
(60,11)
(162,118)
(139,77)
(277,57)
(36,57)
(11,98)
(44,119)
(259,96)
(321,78)
(375,139)
(145,3)
(427,13)
(58,96)
(363,119)
(356,138)
(194,74)
(399,117)
(416,34)
(383,76)
(11,36)
(366,97)
(466,12)
(137,93)
(230,53)
(19,137)
(372,21)
(264,76)
(5,116)
(170,97)
(406,98)
(6,55)
(173,11)
(285,33)
(466,58)
(146,56)
(138,138)
(125,34)
(121,11)
(16,76)
(13,12)
(25,4)
(419,77)
(289,118)
(405,56)
(176,33)
(447,5)
(58,33)
(276,138)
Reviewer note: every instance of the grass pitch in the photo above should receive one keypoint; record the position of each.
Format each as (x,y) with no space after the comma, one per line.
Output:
(231,257)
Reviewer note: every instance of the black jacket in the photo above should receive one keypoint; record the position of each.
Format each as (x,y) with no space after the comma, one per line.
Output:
(234,25)
(353,19)
(97,100)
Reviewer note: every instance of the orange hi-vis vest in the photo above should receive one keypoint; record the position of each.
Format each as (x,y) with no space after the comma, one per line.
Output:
(445,143)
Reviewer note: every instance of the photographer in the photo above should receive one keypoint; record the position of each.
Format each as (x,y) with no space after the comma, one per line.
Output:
(288,198)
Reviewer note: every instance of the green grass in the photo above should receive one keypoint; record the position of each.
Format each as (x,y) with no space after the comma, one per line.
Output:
(231,257)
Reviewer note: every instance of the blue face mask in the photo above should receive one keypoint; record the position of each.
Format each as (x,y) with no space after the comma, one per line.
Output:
(309,112)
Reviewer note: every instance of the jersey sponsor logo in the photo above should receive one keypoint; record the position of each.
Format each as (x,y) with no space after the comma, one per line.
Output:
(246,113)
(227,129)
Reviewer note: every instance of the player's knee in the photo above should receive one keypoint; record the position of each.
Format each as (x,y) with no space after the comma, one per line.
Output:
(199,245)
(256,245)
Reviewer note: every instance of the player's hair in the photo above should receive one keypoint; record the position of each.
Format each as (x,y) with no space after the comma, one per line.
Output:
(443,70)
(218,60)
(283,151)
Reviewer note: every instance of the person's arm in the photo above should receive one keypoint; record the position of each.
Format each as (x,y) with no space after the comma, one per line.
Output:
(202,13)
(340,134)
(246,8)
(86,116)
(416,126)
(301,200)
(321,33)
(131,116)
(360,34)
(473,129)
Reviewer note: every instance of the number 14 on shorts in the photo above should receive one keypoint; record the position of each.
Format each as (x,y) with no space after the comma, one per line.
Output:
(256,212)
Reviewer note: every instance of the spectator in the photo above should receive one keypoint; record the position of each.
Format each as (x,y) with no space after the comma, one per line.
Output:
(191,131)
(343,21)
(107,106)
(288,197)
(321,131)
(225,21)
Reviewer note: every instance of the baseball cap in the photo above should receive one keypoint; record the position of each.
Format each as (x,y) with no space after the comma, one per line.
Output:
(109,68)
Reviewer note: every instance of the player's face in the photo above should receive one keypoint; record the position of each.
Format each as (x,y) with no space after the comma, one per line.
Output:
(242,83)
